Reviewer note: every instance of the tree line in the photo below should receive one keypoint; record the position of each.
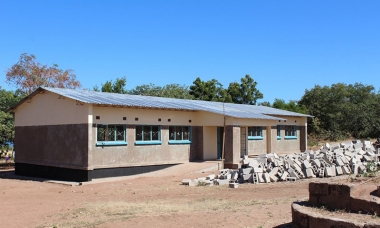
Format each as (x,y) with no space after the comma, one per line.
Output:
(339,111)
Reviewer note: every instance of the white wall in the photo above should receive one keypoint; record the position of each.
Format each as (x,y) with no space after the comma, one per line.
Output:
(210,140)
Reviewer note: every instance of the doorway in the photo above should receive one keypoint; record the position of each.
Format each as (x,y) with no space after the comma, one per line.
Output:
(220,131)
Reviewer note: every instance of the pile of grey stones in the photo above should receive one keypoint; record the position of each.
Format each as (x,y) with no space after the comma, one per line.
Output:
(353,157)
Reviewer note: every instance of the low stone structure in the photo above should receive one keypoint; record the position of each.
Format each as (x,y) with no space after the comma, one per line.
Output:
(333,197)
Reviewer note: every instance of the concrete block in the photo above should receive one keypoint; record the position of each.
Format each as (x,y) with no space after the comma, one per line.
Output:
(284,175)
(224,171)
(201,179)
(234,185)
(326,146)
(339,170)
(294,174)
(266,177)
(339,162)
(223,182)
(209,183)
(306,164)
(333,170)
(316,162)
(246,170)
(193,183)
(296,161)
(298,168)
(292,179)
(274,171)
(258,168)
(210,177)
(272,177)
(367,158)
(355,169)
(234,175)
(334,147)
(290,162)
(247,177)
(346,169)
(260,177)
(309,173)
(186,181)
(362,169)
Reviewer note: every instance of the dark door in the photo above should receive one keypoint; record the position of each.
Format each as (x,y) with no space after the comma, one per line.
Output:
(220,141)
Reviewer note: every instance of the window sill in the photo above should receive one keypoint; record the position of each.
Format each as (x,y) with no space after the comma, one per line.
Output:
(278,138)
(179,142)
(148,143)
(111,143)
(291,137)
(255,138)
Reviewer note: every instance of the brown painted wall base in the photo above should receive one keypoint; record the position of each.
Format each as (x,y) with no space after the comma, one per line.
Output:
(77,175)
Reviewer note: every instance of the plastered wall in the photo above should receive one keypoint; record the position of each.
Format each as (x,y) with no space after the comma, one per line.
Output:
(51,109)
(137,155)
(210,146)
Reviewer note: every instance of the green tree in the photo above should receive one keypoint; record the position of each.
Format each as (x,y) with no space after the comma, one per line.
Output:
(342,110)
(28,74)
(292,106)
(7,100)
(245,92)
(170,90)
(211,90)
(113,87)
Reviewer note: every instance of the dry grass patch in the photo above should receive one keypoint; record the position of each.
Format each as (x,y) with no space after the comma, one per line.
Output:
(92,214)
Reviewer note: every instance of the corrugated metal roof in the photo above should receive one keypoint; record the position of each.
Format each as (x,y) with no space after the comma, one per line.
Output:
(114,99)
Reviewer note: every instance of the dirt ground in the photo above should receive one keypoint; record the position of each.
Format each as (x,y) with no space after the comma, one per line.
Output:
(156,200)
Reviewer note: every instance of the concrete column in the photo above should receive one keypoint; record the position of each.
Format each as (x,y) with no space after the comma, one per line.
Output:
(232,147)
(269,139)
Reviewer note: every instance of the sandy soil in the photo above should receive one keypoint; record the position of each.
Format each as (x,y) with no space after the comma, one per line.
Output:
(148,201)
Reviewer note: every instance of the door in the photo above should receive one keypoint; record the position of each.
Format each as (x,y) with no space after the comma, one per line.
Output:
(220,131)
(243,142)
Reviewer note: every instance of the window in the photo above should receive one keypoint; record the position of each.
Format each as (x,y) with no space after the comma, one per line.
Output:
(179,134)
(146,134)
(255,133)
(278,132)
(107,135)
(290,132)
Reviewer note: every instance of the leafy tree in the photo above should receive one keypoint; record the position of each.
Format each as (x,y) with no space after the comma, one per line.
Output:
(116,87)
(292,105)
(170,90)
(265,103)
(245,92)
(7,99)
(28,74)
(209,91)
(342,110)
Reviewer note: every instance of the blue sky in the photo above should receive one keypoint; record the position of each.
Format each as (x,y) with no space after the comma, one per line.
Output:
(286,46)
